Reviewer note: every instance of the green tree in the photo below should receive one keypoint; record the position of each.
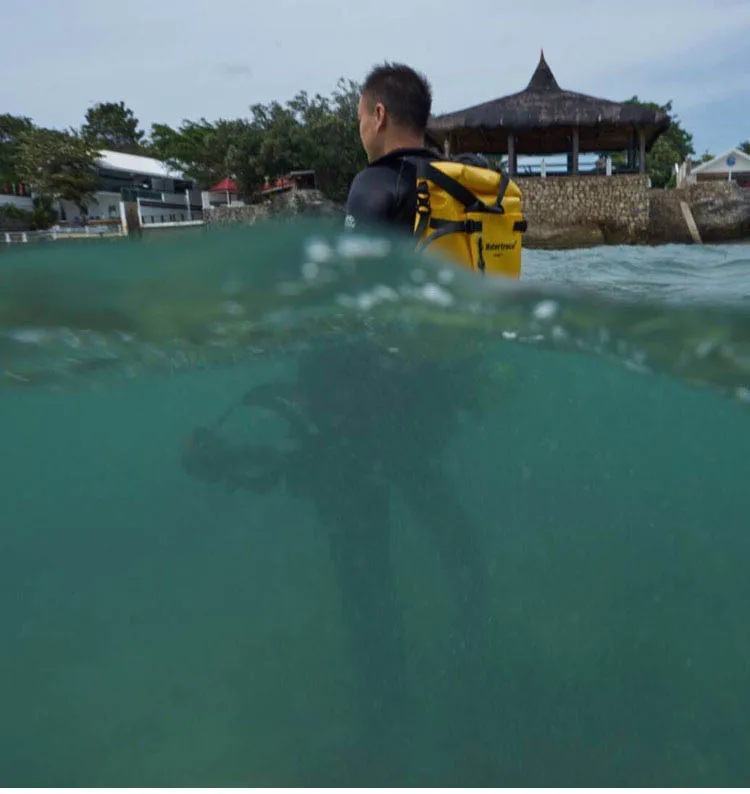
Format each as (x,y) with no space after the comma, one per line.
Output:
(744,147)
(59,164)
(330,142)
(670,149)
(112,125)
(208,152)
(11,129)
(44,214)
(318,133)
(168,145)
(231,149)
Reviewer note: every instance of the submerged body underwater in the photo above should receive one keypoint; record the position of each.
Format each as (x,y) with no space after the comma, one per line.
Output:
(283,506)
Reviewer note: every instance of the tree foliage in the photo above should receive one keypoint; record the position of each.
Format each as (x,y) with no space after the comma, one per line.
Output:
(11,129)
(307,132)
(745,147)
(112,125)
(318,133)
(670,149)
(59,164)
(208,152)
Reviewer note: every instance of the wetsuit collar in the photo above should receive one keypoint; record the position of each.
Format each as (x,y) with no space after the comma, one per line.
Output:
(415,151)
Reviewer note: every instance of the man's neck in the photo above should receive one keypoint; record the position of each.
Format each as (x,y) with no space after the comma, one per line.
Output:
(403,142)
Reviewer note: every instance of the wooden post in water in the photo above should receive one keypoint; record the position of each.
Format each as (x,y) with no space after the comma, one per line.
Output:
(690,222)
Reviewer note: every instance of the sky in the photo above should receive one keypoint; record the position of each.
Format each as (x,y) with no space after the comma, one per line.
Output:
(175,59)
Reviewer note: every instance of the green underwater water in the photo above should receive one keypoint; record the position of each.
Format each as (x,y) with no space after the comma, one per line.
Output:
(515,555)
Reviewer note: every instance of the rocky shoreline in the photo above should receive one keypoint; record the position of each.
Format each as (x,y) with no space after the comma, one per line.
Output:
(605,212)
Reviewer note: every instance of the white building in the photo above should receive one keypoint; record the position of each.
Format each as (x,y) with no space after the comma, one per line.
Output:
(733,166)
(160,194)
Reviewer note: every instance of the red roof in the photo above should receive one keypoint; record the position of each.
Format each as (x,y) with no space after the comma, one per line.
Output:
(225,185)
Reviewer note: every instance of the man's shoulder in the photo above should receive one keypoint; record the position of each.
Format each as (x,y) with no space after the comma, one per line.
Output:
(371,195)
(393,162)
(379,193)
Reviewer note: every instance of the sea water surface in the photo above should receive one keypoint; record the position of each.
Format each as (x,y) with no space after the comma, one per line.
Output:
(282,506)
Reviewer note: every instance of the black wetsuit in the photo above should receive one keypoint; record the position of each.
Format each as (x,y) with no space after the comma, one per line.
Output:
(386,191)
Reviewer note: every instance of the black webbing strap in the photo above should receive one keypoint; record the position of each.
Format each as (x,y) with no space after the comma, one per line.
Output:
(426,170)
(443,227)
(423,208)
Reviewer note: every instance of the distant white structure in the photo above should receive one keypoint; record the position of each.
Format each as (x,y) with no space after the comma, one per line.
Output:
(25,203)
(160,194)
(731,166)
(132,191)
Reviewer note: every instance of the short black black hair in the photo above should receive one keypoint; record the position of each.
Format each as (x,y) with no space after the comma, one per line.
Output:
(406,94)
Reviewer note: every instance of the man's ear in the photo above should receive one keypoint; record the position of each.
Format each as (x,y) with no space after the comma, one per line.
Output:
(380,114)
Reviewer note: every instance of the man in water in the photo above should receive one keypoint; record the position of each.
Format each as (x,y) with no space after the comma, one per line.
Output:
(394,109)
(382,422)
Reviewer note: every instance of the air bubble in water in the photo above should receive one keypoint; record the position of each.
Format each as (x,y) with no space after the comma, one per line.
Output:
(545,310)
(436,294)
(310,271)
(318,251)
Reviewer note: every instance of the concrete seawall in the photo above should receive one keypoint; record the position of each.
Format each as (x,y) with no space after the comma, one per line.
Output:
(291,203)
(573,212)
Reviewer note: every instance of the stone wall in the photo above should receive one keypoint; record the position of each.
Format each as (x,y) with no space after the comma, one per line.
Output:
(666,221)
(290,203)
(570,212)
(721,211)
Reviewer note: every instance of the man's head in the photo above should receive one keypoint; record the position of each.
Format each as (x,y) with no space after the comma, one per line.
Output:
(394,108)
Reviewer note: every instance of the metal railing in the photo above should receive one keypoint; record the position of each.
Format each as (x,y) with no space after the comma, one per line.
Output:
(134,193)
(562,171)
(63,233)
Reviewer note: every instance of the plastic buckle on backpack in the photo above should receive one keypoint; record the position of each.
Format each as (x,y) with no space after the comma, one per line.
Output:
(423,198)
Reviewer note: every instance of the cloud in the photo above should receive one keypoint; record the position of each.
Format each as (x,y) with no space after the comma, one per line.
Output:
(691,51)
(235,69)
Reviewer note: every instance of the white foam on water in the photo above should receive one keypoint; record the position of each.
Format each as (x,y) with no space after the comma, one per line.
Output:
(318,251)
(434,293)
(545,310)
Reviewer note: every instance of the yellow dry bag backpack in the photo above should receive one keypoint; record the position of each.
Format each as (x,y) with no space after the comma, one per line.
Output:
(470,214)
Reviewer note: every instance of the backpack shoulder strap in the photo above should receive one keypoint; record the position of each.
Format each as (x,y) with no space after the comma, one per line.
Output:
(425,170)
(504,182)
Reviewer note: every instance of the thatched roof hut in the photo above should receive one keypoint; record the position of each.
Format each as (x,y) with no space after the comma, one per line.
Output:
(545,119)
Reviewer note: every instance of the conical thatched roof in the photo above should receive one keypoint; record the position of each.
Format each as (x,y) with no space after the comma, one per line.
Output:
(542,118)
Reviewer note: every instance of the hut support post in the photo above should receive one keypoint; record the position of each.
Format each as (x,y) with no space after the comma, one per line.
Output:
(642,151)
(511,154)
(576,144)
